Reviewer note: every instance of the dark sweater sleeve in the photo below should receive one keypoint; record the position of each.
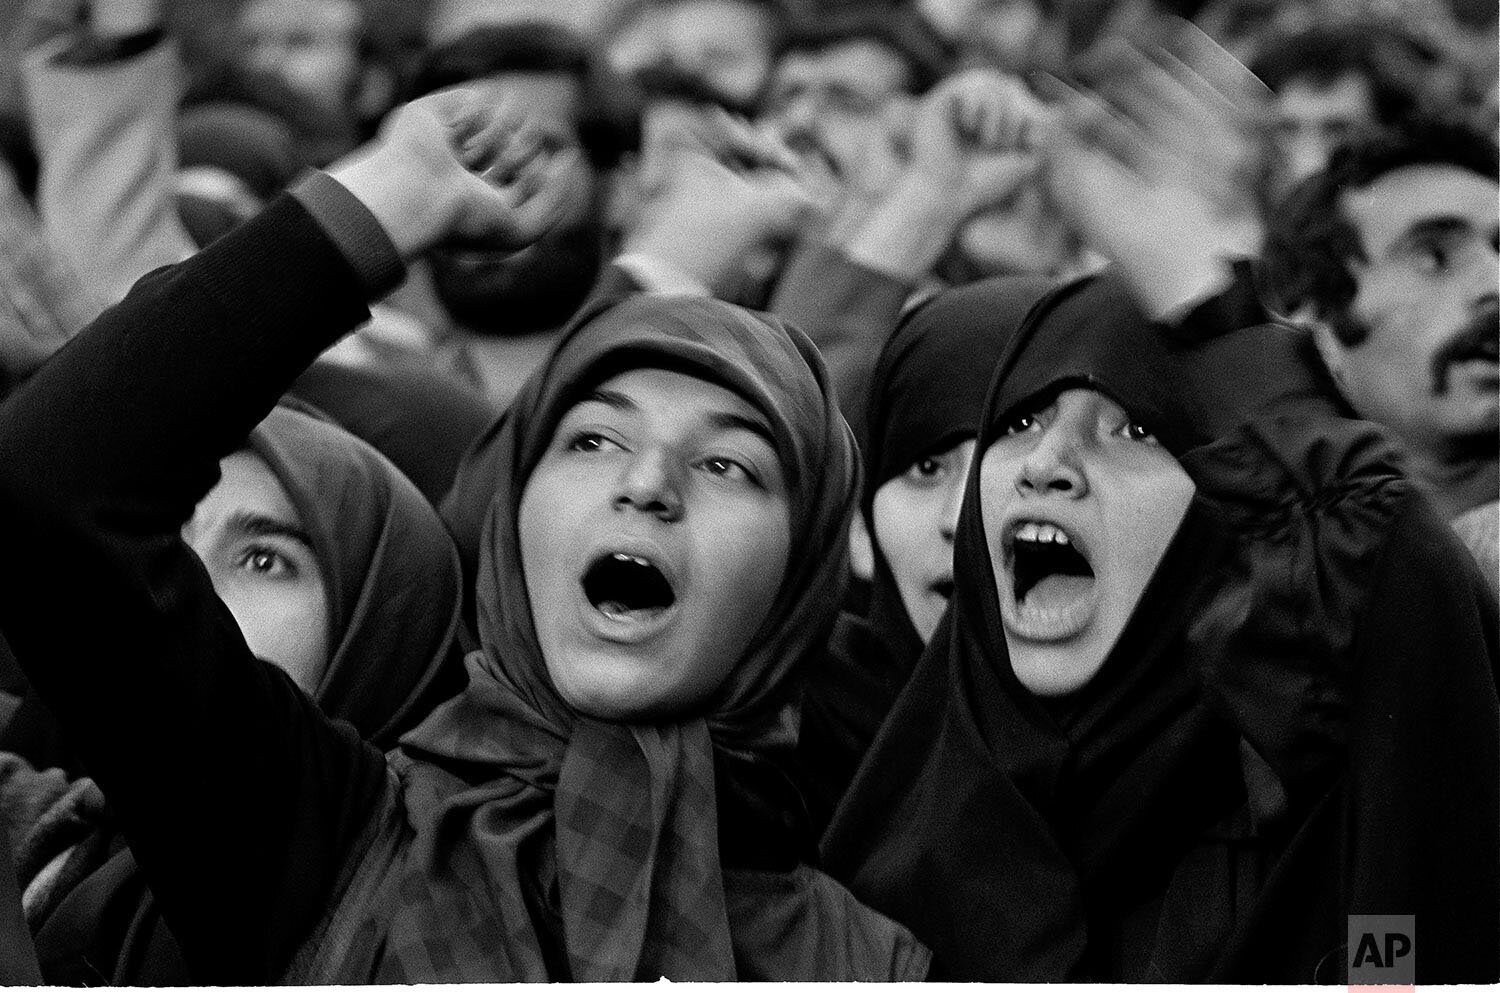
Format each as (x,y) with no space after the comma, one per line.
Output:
(847,310)
(237,795)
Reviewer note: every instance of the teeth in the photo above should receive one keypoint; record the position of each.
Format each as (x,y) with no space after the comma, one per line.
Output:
(638,560)
(1041,532)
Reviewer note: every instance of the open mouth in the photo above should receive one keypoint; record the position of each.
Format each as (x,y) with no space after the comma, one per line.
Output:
(1052,581)
(625,587)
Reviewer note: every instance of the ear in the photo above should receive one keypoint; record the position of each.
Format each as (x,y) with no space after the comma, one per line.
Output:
(1331,350)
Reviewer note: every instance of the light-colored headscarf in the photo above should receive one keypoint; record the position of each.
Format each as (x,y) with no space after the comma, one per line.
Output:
(532,842)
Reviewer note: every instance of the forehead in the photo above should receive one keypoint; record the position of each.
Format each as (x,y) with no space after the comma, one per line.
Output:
(288,16)
(670,393)
(1080,400)
(861,63)
(551,96)
(1403,198)
(1347,97)
(247,484)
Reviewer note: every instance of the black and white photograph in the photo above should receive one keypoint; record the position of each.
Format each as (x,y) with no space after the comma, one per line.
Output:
(885,491)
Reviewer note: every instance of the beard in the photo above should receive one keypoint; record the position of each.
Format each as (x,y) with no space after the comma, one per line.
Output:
(511,294)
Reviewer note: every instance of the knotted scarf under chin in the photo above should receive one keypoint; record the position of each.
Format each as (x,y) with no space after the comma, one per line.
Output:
(583,868)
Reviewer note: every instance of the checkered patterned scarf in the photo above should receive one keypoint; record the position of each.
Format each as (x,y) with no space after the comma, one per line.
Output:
(547,844)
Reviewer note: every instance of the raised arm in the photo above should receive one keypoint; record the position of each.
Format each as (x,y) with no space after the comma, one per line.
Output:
(846,285)
(237,796)
(102,102)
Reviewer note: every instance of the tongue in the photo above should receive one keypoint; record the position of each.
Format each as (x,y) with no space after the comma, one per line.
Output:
(615,610)
(1059,590)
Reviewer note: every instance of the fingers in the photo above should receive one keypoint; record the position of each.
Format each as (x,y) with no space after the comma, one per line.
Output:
(1215,68)
(544,191)
(1084,120)
(738,143)
(979,108)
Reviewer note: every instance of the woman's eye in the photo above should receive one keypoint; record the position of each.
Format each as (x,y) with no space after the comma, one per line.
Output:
(1024,422)
(266,562)
(590,441)
(726,468)
(1138,432)
(924,470)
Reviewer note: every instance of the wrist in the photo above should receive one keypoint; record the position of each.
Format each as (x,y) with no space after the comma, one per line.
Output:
(359,235)
(905,234)
(393,194)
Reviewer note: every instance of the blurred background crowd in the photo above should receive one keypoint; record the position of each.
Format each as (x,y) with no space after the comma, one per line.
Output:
(255,91)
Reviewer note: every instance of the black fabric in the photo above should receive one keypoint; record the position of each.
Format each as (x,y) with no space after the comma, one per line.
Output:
(237,796)
(18,964)
(388,569)
(421,421)
(1207,807)
(930,382)
(926,396)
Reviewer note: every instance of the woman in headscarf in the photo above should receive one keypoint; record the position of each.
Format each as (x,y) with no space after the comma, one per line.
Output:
(922,419)
(606,799)
(1214,680)
(303,504)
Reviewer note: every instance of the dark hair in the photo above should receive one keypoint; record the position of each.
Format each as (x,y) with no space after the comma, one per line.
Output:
(609,123)
(1309,242)
(1392,62)
(908,37)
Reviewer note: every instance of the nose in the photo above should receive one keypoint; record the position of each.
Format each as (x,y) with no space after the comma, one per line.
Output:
(1053,467)
(953,502)
(649,485)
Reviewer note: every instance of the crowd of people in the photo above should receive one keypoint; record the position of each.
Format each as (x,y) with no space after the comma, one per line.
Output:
(996,490)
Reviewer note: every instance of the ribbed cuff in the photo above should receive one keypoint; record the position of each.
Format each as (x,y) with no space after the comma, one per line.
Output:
(358,234)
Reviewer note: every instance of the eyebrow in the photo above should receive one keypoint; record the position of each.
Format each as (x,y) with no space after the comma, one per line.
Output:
(1434,227)
(254,525)
(720,420)
(611,398)
(723,420)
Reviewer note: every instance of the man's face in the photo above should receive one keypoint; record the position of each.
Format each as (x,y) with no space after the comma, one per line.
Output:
(1313,120)
(831,102)
(724,43)
(540,286)
(311,45)
(1427,295)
